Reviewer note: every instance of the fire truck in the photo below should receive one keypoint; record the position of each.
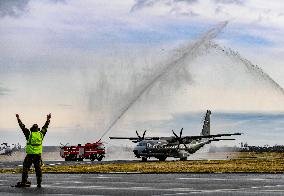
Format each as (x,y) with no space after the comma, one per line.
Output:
(90,151)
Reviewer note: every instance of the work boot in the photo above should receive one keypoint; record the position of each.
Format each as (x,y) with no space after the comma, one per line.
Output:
(23,184)
(39,182)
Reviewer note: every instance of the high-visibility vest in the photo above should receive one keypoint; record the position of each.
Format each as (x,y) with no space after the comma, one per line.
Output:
(34,143)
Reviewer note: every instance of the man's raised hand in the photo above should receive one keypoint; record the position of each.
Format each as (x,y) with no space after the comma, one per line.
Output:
(48,116)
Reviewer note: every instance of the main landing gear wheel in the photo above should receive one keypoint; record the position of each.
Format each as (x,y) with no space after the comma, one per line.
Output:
(144,159)
(183,159)
(162,158)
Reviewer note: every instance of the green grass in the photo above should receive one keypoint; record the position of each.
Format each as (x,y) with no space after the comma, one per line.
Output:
(245,162)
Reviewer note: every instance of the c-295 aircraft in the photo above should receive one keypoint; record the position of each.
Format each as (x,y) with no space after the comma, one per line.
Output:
(176,146)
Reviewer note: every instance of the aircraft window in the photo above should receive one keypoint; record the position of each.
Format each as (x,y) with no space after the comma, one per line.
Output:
(157,146)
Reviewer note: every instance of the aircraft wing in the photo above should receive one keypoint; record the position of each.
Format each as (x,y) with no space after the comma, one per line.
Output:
(189,139)
(124,138)
(211,136)
(135,139)
(172,139)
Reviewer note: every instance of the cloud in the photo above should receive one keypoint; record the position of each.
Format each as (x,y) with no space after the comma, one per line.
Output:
(13,7)
(52,57)
(238,2)
(140,4)
(240,11)
(16,8)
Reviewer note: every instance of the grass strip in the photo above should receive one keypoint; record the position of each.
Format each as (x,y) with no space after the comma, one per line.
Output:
(203,166)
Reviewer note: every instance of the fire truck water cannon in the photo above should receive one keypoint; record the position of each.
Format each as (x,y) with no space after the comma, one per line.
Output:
(90,151)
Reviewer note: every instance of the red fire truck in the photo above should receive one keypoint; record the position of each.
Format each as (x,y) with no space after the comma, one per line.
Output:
(90,151)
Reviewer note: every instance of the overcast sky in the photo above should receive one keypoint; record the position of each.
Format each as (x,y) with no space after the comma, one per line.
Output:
(83,61)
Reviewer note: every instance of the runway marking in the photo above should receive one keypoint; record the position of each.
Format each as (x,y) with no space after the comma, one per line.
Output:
(257,179)
(124,188)
(106,177)
(227,190)
(268,186)
(222,179)
(276,190)
(69,182)
(75,187)
(204,179)
(78,182)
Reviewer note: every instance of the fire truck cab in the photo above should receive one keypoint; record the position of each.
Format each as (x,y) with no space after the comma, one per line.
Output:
(90,151)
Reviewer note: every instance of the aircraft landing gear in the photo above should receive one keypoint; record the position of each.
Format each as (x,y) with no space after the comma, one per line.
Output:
(144,159)
(183,159)
(162,158)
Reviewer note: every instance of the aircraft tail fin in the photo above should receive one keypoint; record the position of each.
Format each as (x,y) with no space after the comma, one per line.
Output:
(206,124)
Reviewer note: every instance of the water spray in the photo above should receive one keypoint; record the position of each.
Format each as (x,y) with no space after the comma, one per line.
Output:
(189,52)
(252,69)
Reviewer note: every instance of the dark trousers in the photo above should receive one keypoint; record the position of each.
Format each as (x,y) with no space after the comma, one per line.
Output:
(29,160)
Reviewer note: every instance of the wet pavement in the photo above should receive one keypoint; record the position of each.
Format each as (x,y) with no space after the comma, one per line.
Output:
(148,184)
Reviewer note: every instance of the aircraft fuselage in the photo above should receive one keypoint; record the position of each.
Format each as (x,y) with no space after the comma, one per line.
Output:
(161,149)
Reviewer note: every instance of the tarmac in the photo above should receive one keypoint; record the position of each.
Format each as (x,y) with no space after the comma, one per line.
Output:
(217,184)
(148,184)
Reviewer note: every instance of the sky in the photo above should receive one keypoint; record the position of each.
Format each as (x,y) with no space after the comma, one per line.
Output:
(85,61)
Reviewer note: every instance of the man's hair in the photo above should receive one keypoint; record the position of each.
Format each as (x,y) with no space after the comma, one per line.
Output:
(34,128)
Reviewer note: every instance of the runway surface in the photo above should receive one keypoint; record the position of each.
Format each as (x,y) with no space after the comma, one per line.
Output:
(19,164)
(148,184)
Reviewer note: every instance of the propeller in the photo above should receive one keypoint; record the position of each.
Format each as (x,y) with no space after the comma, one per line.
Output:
(143,136)
(179,138)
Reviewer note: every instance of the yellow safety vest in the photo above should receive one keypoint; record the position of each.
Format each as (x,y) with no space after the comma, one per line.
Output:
(34,143)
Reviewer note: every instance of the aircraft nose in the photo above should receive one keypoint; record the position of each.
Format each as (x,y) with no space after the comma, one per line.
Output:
(138,149)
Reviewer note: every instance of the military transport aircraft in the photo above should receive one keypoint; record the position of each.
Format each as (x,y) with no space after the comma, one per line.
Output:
(176,146)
